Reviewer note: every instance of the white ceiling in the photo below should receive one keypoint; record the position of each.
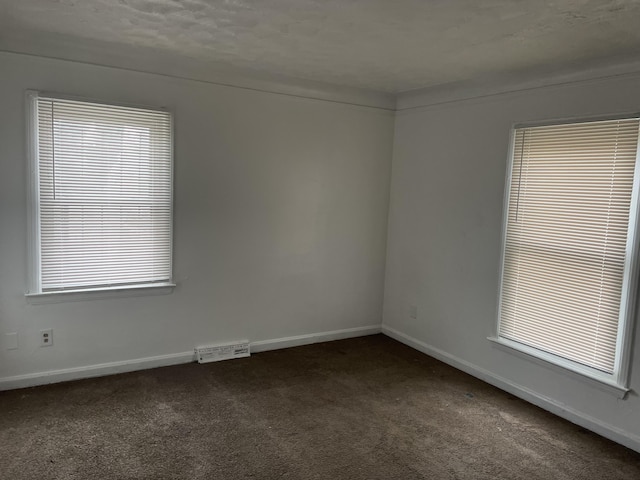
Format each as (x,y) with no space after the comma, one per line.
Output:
(383,45)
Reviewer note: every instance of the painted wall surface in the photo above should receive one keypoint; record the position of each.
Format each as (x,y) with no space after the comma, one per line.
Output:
(444,246)
(281,210)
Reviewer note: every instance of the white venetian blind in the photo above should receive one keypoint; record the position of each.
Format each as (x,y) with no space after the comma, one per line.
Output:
(105,195)
(566,238)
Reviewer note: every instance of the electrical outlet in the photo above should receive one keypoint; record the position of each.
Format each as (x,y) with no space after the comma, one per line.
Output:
(413,311)
(46,337)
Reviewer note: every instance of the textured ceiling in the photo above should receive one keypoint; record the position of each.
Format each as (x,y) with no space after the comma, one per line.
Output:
(385,45)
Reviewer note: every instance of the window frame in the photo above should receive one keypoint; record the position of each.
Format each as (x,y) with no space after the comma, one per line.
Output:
(618,381)
(34,292)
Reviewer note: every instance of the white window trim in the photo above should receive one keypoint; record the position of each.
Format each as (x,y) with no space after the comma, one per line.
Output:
(33,193)
(100,293)
(618,382)
(560,365)
(34,293)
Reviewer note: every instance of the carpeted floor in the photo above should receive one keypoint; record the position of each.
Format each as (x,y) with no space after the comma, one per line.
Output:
(366,408)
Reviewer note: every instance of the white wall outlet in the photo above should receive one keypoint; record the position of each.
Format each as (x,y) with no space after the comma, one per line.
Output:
(413,311)
(46,337)
(11,340)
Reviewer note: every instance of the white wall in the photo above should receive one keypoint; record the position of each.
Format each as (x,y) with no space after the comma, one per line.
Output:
(280,221)
(448,177)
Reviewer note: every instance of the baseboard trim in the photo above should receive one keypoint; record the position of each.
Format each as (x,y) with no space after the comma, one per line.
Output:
(574,416)
(299,340)
(99,370)
(111,368)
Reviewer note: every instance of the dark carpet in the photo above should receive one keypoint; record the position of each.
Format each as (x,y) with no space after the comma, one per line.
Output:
(366,408)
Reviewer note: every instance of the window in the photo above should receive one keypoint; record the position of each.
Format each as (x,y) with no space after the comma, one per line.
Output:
(101,178)
(569,253)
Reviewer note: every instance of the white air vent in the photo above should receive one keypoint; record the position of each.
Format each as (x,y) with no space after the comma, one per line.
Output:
(215,353)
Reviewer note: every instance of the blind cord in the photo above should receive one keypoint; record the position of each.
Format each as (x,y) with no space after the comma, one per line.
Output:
(53,149)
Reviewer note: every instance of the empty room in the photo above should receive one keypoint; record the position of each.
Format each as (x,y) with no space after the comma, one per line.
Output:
(304,239)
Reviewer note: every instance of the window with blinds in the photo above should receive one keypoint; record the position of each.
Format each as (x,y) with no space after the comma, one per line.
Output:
(103,195)
(569,245)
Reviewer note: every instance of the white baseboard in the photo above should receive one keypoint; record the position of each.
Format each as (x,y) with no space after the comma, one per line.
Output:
(579,418)
(111,368)
(99,370)
(299,340)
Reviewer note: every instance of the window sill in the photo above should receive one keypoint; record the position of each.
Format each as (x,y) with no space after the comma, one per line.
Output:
(587,375)
(100,293)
